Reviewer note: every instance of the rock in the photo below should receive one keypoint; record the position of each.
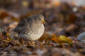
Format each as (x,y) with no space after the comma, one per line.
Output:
(81,37)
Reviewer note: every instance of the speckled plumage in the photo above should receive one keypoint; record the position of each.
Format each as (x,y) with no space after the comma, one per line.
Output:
(31,27)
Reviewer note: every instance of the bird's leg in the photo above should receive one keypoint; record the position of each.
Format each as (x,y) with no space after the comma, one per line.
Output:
(31,43)
(37,43)
(22,41)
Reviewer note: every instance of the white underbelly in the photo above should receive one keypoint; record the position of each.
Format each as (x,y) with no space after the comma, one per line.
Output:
(37,35)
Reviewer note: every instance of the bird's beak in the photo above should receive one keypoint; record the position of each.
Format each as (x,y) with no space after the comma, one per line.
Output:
(43,21)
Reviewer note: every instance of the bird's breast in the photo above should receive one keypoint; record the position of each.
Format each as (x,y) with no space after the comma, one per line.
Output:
(35,33)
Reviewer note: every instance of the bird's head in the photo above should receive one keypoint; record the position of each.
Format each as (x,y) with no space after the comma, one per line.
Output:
(38,18)
(41,18)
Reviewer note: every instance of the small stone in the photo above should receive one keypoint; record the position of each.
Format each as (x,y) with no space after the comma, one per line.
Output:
(81,37)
